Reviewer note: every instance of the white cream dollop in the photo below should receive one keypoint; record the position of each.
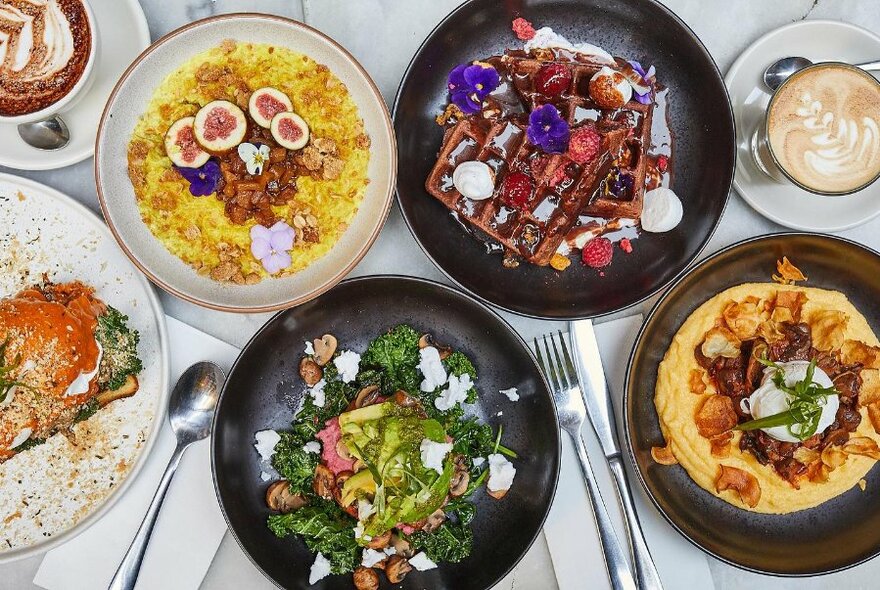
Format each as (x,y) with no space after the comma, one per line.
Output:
(81,384)
(547,38)
(768,399)
(474,180)
(662,210)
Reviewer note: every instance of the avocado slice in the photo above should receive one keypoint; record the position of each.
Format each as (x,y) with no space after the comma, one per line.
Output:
(365,414)
(360,481)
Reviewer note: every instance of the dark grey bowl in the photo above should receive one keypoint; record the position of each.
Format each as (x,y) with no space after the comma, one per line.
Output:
(264,387)
(838,534)
(703,157)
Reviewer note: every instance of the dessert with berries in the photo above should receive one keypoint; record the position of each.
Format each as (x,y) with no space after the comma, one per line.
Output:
(556,147)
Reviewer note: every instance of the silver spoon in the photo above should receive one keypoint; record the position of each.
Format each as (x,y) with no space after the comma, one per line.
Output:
(49,134)
(777,72)
(190,412)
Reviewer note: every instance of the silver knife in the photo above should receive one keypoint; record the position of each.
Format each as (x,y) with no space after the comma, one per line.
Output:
(598,402)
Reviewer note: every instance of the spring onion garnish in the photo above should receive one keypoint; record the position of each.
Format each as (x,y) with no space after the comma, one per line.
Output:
(6,383)
(805,402)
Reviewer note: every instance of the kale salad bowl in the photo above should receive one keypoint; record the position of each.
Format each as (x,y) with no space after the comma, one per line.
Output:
(392,431)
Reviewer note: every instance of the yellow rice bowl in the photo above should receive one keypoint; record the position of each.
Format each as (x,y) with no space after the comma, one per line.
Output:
(196,229)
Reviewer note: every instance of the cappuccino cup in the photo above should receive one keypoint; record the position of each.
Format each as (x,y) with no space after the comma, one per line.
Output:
(47,56)
(821,130)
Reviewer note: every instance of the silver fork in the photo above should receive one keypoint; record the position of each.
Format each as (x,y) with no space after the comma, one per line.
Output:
(571,411)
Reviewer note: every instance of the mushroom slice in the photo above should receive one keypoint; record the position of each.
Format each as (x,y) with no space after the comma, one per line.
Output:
(428,340)
(324,482)
(279,498)
(397,568)
(365,397)
(401,545)
(405,400)
(460,477)
(325,347)
(310,372)
(434,521)
(127,389)
(380,541)
(366,579)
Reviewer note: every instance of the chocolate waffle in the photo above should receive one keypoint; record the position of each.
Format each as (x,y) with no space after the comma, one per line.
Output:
(563,190)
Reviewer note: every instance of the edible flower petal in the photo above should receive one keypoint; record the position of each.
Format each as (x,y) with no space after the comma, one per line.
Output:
(254,157)
(203,180)
(271,245)
(469,84)
(648,77)
(548,129)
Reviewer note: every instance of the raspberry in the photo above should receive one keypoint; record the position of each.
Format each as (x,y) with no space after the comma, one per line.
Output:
(584,145)
(552,79)
(516,190)
(662,163)
(597,253)
(626,245)
(523,29)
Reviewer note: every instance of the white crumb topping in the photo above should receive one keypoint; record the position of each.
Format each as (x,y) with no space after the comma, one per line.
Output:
(347,364)
(432,368)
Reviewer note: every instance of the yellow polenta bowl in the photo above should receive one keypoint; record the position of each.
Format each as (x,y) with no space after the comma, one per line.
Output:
(188,244)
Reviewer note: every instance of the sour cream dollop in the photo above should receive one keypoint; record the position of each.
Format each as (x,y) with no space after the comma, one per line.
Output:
(475,180)
(768,399)
(662,211)
(82,383)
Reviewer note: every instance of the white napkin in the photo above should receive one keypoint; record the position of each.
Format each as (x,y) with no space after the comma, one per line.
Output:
(190,526)
(571,529)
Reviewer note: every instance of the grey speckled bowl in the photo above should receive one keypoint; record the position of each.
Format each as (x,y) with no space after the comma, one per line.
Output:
(129,100)
(838,534)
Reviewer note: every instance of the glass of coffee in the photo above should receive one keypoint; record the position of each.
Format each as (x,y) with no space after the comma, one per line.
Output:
(47,54)
(821,130)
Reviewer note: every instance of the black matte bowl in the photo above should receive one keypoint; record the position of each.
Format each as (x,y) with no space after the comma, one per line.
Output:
(838,534)
(703,157)
(264,387)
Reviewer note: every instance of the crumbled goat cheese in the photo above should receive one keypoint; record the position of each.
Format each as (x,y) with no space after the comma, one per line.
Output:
(265,476)
(359,532)
(511,394)
(371,557)
(501,472)
(432,368)
(390,551)
(320,569)
(347,365)
(455,393)
(317,393)
(433,454)
(265,443)
(313,447)
(421,562)
(309,349)
(365,509)
(478,461)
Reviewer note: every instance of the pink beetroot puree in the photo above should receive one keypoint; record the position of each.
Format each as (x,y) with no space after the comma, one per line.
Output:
(329,438)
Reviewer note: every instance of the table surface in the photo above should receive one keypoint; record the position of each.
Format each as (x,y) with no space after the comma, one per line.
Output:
(726,28)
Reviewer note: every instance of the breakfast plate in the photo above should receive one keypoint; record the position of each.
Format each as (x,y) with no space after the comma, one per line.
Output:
(787,204)
(245,162)
(102,454)
(265,388)
(752,490)
(122,35)
(531,215)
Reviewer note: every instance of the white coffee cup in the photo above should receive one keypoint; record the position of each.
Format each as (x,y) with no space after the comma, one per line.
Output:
(76,92)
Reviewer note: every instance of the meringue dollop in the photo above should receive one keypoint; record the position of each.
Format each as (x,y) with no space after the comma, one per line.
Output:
(474,180)
(662,210)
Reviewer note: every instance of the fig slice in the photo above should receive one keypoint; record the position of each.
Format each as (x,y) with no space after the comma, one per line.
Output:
(290,131)
(267,102)
(220,126)
(181,145)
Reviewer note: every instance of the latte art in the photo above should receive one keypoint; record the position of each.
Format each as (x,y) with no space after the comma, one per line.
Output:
(824,129)
(44,49)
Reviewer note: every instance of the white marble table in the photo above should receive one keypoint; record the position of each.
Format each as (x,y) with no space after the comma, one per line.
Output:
(384,34)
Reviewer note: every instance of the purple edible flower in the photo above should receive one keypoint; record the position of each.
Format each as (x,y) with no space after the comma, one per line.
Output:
(270,245)
(469,84)
(548,130)
(203,180)
(619,184)
(648,77)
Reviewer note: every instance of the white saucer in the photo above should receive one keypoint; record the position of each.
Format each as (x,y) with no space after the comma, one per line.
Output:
(122,35)
(786,204)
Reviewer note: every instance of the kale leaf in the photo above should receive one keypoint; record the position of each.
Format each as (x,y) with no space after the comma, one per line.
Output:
(294,463)
(119,342)
(87,410)
(325,529)
(396,354)
(451,542)
(463,510)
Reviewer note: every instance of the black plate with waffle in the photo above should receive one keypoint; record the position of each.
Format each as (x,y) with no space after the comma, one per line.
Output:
(699,118)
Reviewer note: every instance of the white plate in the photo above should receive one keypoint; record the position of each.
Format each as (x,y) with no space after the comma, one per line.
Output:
(786,204)
(122,34)
(63,239)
